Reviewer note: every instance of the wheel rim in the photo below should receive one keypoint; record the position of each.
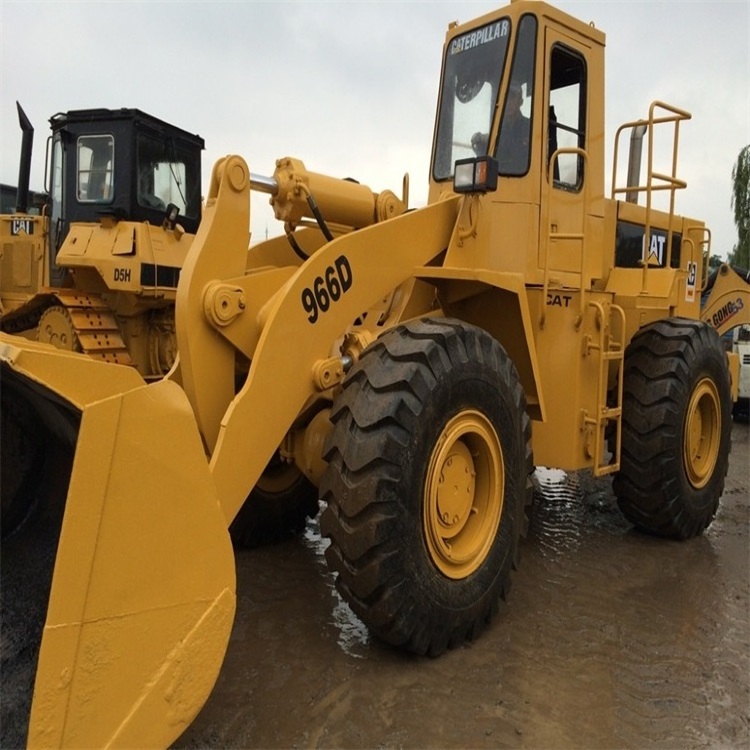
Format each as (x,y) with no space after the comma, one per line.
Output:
(702,432)
(463,498)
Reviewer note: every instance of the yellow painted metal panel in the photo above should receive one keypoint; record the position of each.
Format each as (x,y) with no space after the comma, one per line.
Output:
(142,596)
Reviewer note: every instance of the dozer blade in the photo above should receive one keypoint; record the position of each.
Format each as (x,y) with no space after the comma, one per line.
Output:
(142,596)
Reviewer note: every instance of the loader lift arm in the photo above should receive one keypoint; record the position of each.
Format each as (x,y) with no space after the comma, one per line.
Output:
(727,299)
(726,305)
(294,325)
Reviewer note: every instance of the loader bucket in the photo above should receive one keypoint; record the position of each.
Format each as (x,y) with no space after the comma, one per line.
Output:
(138,560)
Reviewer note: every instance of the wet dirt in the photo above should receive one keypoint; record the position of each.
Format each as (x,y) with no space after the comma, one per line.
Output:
(609,639)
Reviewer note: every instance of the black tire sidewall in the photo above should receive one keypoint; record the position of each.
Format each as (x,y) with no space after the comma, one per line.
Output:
(706,362)
(664,364)
(478,389)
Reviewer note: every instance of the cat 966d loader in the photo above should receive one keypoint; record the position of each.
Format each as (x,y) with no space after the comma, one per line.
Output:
(409,367)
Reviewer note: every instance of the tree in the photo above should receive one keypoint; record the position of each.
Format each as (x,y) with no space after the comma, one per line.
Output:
(740,255)
(715,261)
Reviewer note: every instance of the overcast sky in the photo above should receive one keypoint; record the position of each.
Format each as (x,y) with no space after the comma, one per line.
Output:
(350,87)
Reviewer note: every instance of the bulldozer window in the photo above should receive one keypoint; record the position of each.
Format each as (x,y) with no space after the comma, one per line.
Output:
(513,149)
(567,115)
(96,157)
(56,182)
(57,176)
(166,175)
(472,71)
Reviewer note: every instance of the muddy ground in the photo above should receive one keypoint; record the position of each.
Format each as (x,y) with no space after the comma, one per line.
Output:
(610,639)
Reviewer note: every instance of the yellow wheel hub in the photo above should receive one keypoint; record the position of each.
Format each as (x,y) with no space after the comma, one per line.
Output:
(56,327)
(702,433)
(463,496)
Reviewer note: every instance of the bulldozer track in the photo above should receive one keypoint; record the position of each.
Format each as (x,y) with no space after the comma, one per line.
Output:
(93,325)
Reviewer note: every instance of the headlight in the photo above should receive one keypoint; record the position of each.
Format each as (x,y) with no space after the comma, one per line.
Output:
(477,175)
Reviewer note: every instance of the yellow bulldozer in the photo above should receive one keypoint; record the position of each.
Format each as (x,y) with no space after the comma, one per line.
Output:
(408,367)
(96,271)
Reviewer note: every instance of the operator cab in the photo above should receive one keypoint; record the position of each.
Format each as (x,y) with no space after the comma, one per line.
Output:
(477,63)
(520,111)
(123,164)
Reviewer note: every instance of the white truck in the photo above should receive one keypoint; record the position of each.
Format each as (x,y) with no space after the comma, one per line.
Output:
(741,346)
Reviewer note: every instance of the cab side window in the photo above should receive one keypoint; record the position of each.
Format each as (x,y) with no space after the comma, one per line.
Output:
(95,169)
(567,116)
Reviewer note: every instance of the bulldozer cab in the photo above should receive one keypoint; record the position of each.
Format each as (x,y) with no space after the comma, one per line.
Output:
(124,164)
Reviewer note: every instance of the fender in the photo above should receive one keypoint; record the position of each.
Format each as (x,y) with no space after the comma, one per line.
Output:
(510,322)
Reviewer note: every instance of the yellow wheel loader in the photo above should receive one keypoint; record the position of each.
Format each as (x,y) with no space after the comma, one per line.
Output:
(414,365)
(97,271)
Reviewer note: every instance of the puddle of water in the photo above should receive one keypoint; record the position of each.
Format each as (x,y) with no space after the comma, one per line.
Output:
(353,633)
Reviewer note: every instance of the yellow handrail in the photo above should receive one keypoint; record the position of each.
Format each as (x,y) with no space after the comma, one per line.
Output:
(654,180)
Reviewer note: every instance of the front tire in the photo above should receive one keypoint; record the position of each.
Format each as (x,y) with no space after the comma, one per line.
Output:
(676,428)
(427,483)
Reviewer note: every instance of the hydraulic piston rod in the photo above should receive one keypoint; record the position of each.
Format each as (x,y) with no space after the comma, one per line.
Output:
(294,190)
(263,184)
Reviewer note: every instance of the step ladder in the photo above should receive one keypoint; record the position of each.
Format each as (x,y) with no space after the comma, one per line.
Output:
(606,417)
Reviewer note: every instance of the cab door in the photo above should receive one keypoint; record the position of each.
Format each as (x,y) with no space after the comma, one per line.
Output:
(564,176)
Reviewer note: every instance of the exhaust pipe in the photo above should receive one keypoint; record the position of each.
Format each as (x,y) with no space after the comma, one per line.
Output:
(634,162)
(24,168)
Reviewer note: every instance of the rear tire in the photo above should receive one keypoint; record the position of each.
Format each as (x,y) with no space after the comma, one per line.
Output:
(277,509)
(676,428)
(427,483)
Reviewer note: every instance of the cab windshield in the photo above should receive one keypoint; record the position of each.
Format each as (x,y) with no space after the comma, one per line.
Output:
(472,71)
